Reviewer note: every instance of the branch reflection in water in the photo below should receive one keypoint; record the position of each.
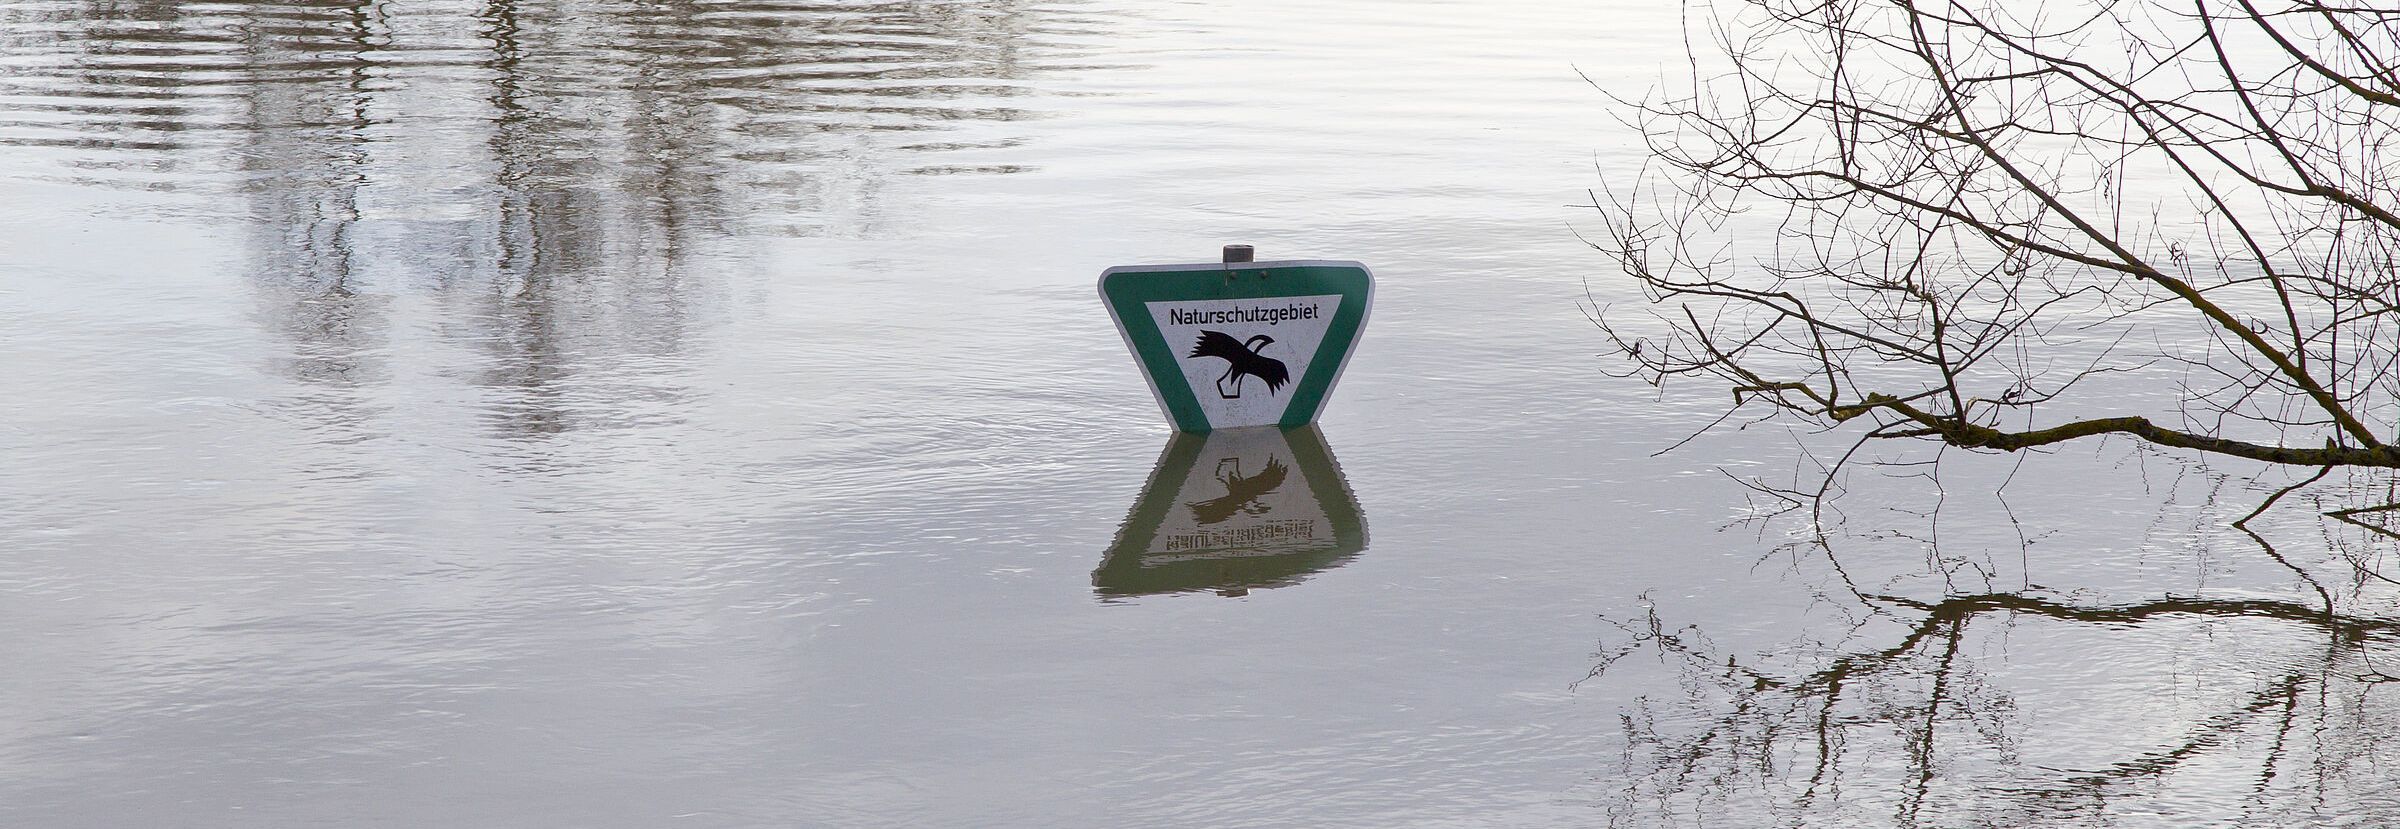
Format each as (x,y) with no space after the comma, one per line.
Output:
(2037,707)
(1232,511)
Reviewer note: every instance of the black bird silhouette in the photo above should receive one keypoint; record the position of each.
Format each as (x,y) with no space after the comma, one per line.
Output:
(1241,493)
(1241,359)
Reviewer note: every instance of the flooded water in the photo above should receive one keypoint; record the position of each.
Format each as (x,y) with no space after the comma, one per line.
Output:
(700,414)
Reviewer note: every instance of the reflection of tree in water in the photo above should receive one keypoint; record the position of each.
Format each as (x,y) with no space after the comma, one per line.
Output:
(2030,708)
(303,183)
(554,173)
(115,92)
(801,104)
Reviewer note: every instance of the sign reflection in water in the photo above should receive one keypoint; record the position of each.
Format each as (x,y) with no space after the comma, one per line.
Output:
(1234,510)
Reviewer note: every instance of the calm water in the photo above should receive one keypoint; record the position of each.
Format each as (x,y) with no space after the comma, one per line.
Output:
(699,414)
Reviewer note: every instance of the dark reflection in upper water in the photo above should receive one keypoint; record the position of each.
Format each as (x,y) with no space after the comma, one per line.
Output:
(1235,510)
(672,104)
(551,172)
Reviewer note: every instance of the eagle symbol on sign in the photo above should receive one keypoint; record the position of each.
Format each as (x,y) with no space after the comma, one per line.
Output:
(1241,360)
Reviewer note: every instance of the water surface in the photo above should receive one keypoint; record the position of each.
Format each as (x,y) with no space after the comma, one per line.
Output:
(700,414)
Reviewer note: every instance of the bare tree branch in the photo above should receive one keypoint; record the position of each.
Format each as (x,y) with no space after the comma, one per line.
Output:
(1971,207)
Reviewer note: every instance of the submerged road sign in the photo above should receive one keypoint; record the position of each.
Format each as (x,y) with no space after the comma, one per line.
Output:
(1240,343)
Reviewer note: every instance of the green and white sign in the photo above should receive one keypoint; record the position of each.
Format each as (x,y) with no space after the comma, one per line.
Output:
(1240,344)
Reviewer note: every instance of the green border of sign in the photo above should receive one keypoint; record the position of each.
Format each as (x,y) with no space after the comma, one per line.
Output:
(1127,289)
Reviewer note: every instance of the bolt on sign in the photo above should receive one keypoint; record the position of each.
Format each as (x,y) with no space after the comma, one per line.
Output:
(1240,343)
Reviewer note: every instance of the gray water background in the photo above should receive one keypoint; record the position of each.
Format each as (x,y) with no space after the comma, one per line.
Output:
(699,414)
